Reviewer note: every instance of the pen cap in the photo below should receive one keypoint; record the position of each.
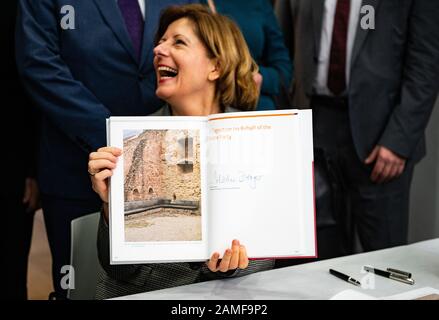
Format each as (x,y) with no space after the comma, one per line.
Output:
(402,279)
(400,272)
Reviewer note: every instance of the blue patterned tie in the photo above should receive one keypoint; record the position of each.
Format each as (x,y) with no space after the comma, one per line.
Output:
(132,15)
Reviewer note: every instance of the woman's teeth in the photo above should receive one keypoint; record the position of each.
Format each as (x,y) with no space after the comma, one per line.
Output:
(167,72)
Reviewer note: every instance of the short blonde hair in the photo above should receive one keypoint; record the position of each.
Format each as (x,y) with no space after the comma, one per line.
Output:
(224,42)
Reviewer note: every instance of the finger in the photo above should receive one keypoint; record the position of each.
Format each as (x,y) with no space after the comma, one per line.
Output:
(373,155)
(401,169)
(212,264)
(115,151)
(393,173)
(384,174)
(100,186)
(102,175)
(95,166)
(100,183)
(102,155)
(379,166)
(101,189)
(243,259)
(234,261)
(225,261)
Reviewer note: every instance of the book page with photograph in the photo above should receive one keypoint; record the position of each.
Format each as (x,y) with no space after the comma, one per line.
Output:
(260,183)
(157,203)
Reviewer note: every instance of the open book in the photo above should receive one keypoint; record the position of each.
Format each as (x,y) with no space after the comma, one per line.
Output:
(185,187)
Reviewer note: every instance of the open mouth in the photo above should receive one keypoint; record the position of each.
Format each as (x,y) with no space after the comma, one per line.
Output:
(167,72)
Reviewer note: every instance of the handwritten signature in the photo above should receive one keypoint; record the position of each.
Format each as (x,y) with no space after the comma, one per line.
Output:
(234,180)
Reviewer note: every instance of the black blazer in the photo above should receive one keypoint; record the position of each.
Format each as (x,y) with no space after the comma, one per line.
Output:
(19,118)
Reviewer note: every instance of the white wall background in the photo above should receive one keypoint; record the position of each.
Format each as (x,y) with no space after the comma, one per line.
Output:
(424,206)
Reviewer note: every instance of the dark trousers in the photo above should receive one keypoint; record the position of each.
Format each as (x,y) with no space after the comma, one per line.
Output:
(378,212)
(16,235)
(58,215)
(347,201)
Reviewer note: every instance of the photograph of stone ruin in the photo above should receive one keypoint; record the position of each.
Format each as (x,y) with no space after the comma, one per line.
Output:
(162,185)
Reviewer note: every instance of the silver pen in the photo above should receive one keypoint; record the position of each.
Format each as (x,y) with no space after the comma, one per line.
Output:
(394,274)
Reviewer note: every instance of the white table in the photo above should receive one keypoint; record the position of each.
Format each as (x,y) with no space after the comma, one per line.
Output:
(313,281)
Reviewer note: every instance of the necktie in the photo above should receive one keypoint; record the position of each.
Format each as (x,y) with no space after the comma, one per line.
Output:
(132,15)
(337,63)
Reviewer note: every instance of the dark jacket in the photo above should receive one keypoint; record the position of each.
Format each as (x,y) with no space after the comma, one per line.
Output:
(79,77)
(19,130)
(394,70)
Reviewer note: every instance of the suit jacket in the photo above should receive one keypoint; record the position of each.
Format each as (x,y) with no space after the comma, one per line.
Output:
(79,77)
(19,142)
(119,280)
(394,70)
(264,38)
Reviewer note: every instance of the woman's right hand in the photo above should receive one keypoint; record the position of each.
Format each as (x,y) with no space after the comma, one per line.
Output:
(100,167)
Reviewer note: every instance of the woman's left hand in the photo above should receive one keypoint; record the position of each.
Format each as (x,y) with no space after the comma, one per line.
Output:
(233,258)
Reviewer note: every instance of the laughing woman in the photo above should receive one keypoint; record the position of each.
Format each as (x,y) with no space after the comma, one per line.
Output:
(203,66)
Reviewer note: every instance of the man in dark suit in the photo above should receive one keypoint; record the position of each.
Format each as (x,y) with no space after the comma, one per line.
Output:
(19,196)
(369,70)
(82,61)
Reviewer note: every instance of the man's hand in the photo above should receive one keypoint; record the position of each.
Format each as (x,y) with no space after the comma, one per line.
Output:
(388,165)
(31,195)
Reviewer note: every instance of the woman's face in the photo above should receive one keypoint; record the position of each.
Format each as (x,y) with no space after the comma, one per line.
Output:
(182,66)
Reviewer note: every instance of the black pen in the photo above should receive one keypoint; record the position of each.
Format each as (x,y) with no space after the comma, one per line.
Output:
(345,277)
(393,274)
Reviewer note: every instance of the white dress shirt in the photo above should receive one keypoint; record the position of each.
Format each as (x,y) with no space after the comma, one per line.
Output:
(142,7)
(321,81)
